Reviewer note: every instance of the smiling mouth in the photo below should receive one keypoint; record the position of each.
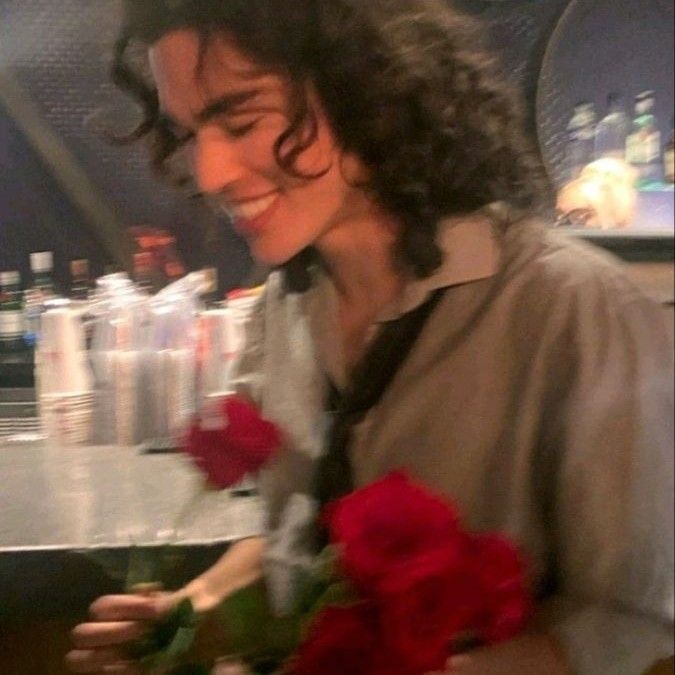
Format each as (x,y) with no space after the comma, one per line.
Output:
(252,209)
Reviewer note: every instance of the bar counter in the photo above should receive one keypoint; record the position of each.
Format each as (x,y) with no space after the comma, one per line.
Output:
(60,508)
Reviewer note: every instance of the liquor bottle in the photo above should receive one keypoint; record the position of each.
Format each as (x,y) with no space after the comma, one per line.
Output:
(11,313)
(580,139)
(144,272)
(42,290)
(80,282)
(669,156)
(643,148)
(612,131)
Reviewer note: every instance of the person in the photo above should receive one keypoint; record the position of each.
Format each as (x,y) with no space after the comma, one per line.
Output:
(369,155)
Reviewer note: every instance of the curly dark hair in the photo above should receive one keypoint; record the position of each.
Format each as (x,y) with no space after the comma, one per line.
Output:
(404,88)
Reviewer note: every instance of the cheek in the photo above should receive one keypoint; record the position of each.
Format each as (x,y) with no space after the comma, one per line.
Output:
(259,153)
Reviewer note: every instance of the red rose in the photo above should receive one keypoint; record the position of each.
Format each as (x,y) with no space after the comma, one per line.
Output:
(344,641)
(426,606)
(234,441)
(499,572)
(385,527)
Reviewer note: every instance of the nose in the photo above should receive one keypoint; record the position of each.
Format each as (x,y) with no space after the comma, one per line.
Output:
(216,163)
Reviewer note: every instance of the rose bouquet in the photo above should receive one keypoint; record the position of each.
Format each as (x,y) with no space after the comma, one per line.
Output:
(413,586)
(401,587)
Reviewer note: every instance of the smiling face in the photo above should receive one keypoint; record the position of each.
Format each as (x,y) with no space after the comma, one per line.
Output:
(234,113)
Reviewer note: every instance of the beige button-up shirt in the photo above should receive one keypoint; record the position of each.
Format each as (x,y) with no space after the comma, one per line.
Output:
(538,397)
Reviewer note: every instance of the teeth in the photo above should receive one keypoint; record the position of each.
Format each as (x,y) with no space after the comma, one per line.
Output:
(252,209)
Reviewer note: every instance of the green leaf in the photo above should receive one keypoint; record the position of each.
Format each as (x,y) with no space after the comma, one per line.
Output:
(338,594)
(264,640)
(321,575)
(283,637)
(173,652)
(169,640)
(246,617)
(324,566)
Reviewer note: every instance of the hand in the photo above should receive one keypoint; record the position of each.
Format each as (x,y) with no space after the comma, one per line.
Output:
(529,654)
(117,620)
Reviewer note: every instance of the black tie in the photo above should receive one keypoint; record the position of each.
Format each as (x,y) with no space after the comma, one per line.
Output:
(371,378)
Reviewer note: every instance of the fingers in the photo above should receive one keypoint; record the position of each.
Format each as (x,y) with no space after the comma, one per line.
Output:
(99,660)
(93,635)
(117,620)
(125,608)
(229,667)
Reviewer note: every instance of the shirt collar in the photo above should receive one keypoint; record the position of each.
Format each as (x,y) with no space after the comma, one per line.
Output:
(470,253)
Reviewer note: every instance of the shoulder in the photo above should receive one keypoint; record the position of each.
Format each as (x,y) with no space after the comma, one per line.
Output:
(556,267)
(568,295)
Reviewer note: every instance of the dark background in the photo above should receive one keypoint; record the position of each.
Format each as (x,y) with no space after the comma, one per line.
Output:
(57,53)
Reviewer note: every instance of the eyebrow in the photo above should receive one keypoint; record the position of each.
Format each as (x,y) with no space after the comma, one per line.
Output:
(225,104)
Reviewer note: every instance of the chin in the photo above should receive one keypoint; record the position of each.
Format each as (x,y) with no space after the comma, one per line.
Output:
(272,256)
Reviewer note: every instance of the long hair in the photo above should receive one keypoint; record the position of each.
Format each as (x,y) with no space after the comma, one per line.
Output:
(404,88)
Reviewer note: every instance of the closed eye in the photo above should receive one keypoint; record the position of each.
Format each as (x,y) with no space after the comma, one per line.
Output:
(239,131)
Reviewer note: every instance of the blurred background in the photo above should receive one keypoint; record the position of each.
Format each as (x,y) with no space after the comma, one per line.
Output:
(64,188)
(596,78)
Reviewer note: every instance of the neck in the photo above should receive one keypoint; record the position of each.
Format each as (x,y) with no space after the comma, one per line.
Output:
(360,257)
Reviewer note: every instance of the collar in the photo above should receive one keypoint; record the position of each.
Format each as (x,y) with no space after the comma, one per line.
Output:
(470,253)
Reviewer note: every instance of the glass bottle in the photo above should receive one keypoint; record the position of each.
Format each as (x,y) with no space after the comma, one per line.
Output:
(42,290)
(669,156)
(580,148)
(612,131)
(11,313)
(643,148)
(80,282)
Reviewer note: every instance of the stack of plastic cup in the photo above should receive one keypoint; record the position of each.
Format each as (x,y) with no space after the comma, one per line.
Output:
(64,379)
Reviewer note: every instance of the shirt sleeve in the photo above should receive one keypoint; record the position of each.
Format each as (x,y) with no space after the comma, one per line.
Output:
(258,375)
(614,503)
(285,484)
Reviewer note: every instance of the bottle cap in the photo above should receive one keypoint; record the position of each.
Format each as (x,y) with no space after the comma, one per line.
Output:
(42,261)
(12,278)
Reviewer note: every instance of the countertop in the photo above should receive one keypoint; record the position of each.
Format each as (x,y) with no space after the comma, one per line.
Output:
(58,506)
